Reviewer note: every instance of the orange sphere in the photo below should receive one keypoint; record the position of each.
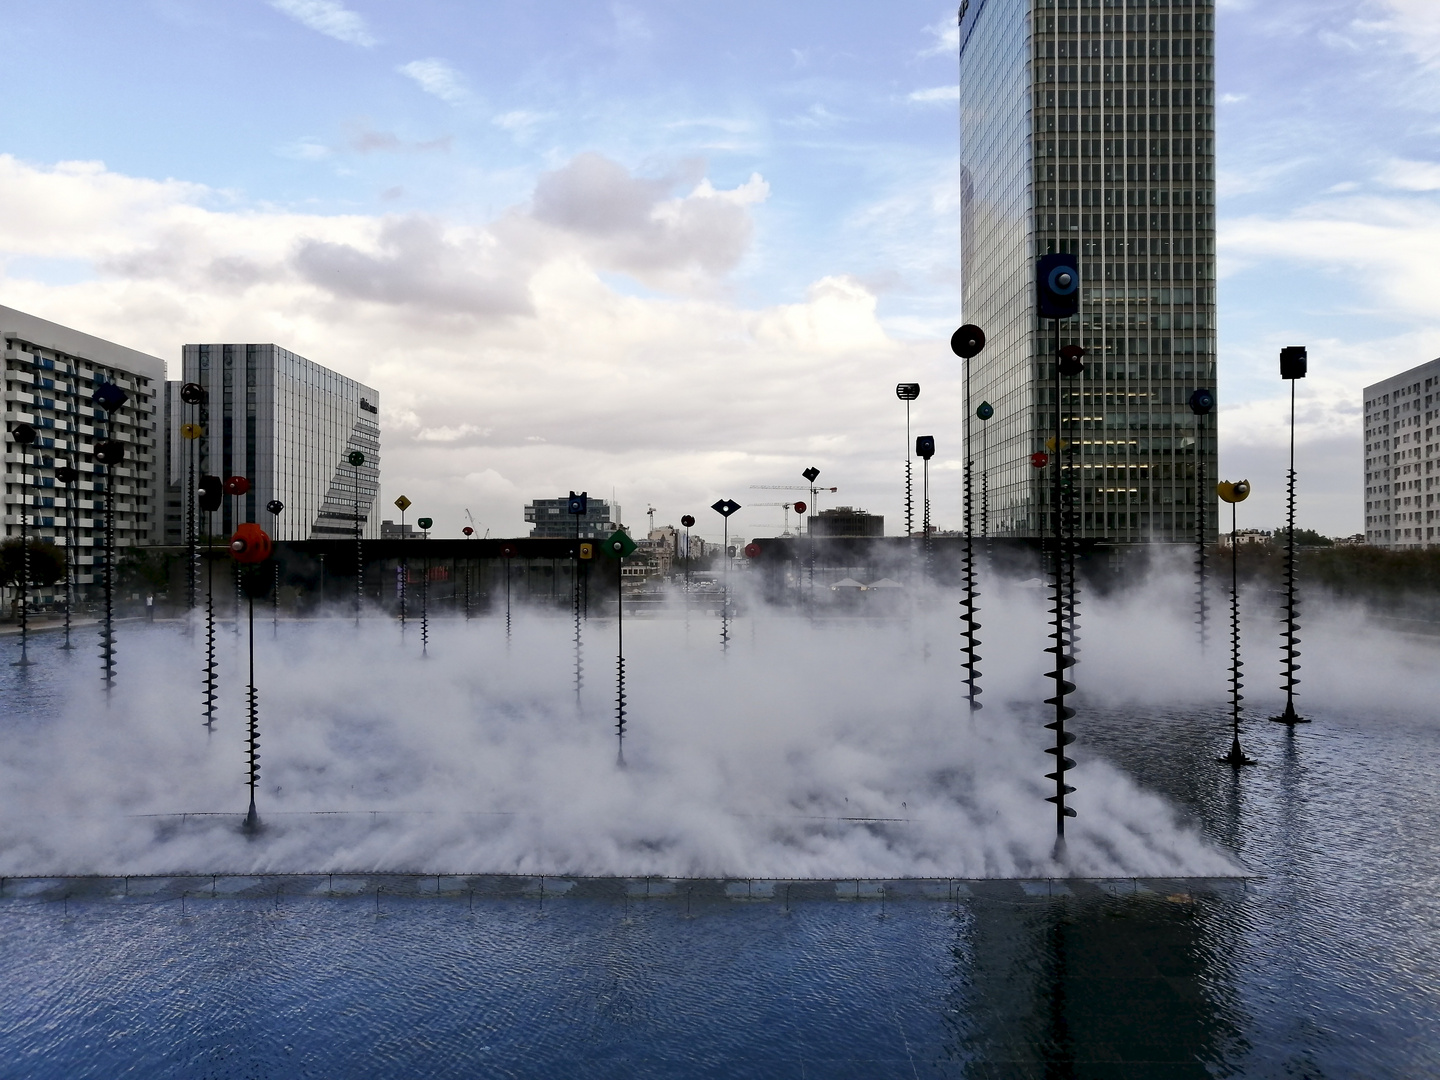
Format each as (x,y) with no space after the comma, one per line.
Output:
(250,544)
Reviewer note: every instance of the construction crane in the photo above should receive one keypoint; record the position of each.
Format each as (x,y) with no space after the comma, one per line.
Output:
(814,492)
(651,511)
(787,507)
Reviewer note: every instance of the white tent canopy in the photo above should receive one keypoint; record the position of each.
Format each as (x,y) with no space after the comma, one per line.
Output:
(846,583)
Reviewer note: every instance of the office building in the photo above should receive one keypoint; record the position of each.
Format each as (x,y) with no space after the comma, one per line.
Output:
(50,373)
(1402,436)
(846,521)
(550,519)
(1087,127)
(286,424)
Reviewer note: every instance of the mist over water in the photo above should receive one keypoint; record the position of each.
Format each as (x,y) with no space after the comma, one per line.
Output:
(841,747)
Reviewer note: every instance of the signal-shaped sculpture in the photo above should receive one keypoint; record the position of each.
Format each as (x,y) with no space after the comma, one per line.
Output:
(687,520)
(425,524)
(726,507)
(210,494)
(576,506)
(402,575)
(507,552)
(275,507)
(357,459)
(908,392)
(983,412)
(925,450)
(1234,494)
(1057,290)
(24,436)
(109,452)
(250,546)
(967,343)
(811,475)
(619,547)
(1294,362)
(469,532)
(69,476)
(193,395)
(1202,401)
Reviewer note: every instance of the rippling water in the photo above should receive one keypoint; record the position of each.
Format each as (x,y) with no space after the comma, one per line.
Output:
(1322,965)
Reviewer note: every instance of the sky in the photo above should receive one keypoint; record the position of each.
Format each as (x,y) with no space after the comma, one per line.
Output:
(668,250)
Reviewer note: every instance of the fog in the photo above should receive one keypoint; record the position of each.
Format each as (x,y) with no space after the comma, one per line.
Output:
(835,747)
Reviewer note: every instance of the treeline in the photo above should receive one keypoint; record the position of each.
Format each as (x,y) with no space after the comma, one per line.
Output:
(1399,582)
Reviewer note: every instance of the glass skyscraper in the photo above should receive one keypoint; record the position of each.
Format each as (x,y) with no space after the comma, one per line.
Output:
(287,425)
(1087,127)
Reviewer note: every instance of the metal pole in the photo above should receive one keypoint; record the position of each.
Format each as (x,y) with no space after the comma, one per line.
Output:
(620,660)
(1063,661)
(909,454)
(24,660)
(1290,634)
(252,819)
(71,485)
(1236,757)
(211,679)
(972,658)
(107,639)
(404,569)
(1201,599)
(359,551)
(725,590)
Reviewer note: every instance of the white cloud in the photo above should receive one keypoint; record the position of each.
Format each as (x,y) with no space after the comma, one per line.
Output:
(1233,99)
(937,95)
(1411,175)
(329,17)
(1417,24)
(520,122)
(437,77)
(946,35)
(534,362)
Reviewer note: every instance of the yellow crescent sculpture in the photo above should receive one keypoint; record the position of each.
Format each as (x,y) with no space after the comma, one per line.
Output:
(191,431)
(1233,492)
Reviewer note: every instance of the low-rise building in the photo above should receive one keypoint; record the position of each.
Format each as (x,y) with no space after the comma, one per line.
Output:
(551,520)
(846,521)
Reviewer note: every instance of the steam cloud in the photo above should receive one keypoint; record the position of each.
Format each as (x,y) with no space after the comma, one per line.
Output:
(756,764)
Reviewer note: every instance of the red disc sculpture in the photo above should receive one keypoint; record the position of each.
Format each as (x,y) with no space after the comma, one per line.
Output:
(250,544)
(800,508)
(1040,459)
(752,550)
(237,485)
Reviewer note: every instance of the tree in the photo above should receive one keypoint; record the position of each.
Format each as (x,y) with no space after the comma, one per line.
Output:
(47,562)
(1304,538)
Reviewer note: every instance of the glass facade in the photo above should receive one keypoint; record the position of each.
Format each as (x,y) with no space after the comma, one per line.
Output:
(288,425)
(1087,127)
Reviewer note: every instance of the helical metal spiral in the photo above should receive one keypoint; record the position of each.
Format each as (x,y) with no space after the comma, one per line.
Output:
(579,664)
(425,611)
(1202,600)
(211,679)
(620,707)
(1063,662)
(909,487)
(972,625)
(252,733)
(107,628)
(1289,653)
(1234,493)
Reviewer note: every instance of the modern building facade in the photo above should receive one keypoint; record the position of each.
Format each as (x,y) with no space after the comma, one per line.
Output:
(551,520)
(286,424)
(50,373)
(1402,441)
(1087,127)
(846,521)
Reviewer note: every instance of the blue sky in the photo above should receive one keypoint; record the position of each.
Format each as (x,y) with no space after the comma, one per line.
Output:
(669,248)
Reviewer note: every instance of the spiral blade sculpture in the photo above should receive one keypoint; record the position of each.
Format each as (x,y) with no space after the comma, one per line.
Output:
(967,343)
(1234,494)
(1293,365)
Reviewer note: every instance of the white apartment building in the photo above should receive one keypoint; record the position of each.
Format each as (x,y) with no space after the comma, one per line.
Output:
(1402,435)
(50,373)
